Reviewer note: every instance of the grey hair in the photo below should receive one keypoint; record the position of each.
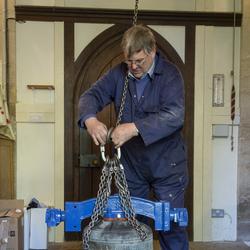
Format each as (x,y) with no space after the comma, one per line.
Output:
(138,38)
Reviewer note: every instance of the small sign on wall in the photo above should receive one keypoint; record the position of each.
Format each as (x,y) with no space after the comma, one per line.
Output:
(218,90)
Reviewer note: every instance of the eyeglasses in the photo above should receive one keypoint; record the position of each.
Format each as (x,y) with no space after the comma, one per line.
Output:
(138,62)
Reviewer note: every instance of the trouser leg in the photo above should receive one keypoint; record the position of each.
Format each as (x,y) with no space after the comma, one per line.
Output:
(170,187)
(176,238)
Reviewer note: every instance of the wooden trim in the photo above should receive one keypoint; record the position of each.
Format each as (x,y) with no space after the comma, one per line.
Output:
(68,116)
(115,16)
(189,75)
(7,169)
(40,86)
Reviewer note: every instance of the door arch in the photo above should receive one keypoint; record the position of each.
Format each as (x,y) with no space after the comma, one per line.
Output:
(101,54)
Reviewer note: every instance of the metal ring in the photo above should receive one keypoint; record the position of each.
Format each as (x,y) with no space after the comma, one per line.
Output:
(102,149)
(118,153)
(110,131)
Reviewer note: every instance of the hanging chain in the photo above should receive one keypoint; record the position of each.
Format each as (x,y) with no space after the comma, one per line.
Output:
(125,88)
(124,94)
(126,78)
(101,201)
(135,12)
(113,167)
(125,199)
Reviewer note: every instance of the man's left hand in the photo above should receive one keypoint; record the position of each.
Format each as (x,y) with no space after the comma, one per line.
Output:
(123,133)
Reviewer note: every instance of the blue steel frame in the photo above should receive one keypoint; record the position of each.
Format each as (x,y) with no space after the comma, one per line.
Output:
(76,212)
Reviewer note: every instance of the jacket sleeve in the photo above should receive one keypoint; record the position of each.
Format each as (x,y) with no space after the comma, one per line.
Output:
(100,94)
(169,116)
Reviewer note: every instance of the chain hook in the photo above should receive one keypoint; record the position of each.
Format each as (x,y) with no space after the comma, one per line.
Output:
(102,149)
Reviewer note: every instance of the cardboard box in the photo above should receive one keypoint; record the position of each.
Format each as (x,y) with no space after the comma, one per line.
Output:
(11,219)
(4,230)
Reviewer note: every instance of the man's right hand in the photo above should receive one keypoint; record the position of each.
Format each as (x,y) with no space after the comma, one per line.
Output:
(97,130)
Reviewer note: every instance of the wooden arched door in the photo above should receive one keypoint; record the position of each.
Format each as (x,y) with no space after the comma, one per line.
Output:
(101,54)
(90,162)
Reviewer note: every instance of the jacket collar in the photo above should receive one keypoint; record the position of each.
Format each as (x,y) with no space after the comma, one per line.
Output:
(159,60)
(158,65)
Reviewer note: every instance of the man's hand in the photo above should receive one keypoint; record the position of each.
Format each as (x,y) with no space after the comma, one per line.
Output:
(123,133)
(97,130)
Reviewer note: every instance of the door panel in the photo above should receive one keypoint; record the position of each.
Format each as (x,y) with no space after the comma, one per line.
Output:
(6,169)
(90,157)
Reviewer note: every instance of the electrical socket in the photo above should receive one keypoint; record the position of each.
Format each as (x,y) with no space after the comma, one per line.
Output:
(217,213)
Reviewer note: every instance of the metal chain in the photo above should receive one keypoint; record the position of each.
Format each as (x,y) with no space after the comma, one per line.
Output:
(125,88)
(125,199)
(124,94)
(101,201)
(113,167)
(135,12)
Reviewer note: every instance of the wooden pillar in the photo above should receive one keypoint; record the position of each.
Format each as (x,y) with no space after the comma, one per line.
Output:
(8,76)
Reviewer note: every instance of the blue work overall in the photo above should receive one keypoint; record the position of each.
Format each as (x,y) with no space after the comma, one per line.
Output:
(156,159)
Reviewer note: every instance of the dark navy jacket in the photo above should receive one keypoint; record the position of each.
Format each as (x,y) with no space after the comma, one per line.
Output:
(159,117)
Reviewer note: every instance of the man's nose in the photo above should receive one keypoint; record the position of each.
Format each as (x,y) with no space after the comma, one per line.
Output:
(133,65)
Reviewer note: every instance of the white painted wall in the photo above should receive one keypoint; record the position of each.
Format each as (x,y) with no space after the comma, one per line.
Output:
(215,166)
(145,4)
(116,4)
(224,171)
(85,33)
(40,115)
(182,5)
(35,112)
(224,187)
(175,35)
(35,161)
(33,38)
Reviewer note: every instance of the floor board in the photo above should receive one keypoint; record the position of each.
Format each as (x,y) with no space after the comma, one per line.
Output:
(193,246)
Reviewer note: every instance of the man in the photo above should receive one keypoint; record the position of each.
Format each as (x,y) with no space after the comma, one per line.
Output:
(153,153)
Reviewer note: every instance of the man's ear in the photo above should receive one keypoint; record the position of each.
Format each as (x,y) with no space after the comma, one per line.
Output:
(153,52)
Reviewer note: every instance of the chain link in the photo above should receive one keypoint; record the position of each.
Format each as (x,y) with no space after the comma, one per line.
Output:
(135,12)
(124,94)
(125,199)
(125,88)
(101,200)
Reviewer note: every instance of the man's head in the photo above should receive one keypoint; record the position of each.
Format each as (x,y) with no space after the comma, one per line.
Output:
(139,49)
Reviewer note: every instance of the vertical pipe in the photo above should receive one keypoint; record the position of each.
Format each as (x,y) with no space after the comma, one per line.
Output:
(4,62)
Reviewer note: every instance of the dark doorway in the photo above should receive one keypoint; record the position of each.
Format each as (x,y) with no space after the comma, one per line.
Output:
(83,164)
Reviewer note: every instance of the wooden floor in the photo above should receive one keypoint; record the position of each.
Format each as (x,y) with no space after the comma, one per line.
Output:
(193,246)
